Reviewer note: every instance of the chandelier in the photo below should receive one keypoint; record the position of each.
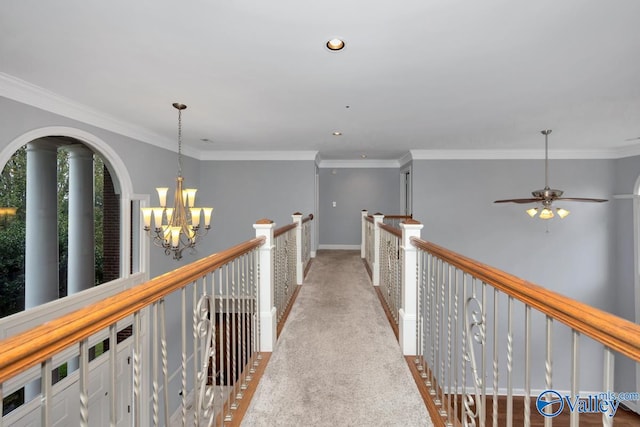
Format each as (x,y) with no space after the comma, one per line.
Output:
(179,227)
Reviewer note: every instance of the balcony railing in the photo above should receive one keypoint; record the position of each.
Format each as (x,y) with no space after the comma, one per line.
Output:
(180,349)
(483,344)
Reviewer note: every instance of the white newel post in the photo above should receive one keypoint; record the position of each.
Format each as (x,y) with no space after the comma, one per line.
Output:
(408,316)
(363,233)
(266,306)
(377,218)
(297,218)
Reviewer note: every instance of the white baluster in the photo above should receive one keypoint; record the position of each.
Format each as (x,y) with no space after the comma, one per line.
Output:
(496,322)
(608,380)
(449,390)
(548,363)
(510,363)
(527,366)
(83,383)
(113,374)
(137,371)
(165,356)
(575,353)
(154,356)
(456,342)
(46,390)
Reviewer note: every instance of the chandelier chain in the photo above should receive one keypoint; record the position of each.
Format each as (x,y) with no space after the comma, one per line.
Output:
(179,142)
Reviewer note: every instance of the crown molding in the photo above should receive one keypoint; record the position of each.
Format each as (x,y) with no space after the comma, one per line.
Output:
(629,151)
(35,96)
(27,93)
(405,159)
(364,163)
(514,154)
(259,155)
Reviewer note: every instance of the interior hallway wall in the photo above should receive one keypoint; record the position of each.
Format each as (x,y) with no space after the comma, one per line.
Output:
(574,256)
(352,190)
(242,192)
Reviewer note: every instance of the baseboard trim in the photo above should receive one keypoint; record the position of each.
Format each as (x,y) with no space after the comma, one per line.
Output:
(340,247)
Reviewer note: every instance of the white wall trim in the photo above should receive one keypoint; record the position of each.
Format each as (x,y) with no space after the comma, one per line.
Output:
(258,155)
(636,270)
(405,159)
(364,163)
(340,247)
(520,154)
(30,94)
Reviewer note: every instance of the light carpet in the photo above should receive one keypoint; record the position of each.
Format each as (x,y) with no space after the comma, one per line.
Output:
(337,361)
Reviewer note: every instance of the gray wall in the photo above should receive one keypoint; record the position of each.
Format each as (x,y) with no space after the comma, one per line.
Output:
(354,189)
(243,192)
(627,173)
(576,257)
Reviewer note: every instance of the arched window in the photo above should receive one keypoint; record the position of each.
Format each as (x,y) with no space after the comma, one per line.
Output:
(61,208)
(70,161)
(65,226)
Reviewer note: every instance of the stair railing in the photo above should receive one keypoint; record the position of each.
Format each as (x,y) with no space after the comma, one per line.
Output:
(483,344)
(180,349)
(487,338)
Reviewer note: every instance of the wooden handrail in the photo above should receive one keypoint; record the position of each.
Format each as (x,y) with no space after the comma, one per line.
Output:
(398,217)
(29,348)
(612,331)
(395,231)
(279,231)
(307,218)
(369,218)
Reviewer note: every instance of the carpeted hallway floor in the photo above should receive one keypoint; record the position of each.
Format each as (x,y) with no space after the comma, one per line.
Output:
(337,362)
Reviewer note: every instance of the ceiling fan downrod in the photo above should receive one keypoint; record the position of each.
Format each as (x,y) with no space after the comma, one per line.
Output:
(546,133)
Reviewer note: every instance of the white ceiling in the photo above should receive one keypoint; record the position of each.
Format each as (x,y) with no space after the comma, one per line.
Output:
(256,75)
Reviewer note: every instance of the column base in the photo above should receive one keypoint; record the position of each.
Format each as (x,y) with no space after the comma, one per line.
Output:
(407,333)
(268,330)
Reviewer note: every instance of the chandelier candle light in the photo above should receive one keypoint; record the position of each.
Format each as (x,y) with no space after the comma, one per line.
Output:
(177,228)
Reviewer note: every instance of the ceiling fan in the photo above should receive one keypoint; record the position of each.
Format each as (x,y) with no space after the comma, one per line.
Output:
(547,195)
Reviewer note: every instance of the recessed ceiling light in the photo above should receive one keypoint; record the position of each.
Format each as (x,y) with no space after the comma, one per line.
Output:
(337,133)
(364,156)
(335,44)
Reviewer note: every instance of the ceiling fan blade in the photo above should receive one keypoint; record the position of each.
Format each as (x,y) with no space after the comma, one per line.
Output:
(522,201)
(580,199)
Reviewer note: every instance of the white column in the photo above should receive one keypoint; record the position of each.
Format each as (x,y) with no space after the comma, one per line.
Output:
(41,247)
(408,311)
(363,234)
(81,265)
(266,308)
(297,218)
(376,248)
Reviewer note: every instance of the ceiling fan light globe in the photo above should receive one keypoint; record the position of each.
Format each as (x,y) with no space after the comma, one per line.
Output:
(546,213)
(562,213)
(532,212)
